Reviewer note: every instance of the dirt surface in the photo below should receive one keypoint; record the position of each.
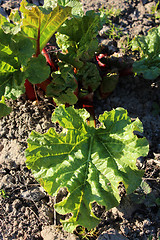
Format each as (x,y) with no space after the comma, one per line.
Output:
(26,211)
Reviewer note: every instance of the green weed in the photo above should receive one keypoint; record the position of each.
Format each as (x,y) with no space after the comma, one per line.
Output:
(84,234)
(155,11)
(3,194)
(110,12)
(115,32)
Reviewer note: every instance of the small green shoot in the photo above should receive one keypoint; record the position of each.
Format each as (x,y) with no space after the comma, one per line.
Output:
(110,12)
(155,11)
(126,44)
(3,194)
(115,32)
(151,237)
(84,234)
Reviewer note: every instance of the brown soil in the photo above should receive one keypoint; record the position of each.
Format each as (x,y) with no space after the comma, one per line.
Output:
(26,210)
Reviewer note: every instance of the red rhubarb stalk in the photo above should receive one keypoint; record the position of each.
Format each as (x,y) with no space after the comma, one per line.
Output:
(49,60)
(98,58)
(29,90)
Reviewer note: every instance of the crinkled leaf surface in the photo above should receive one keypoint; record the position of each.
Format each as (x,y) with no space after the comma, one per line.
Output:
(63,86)
(15,17)
(80,35)
(37,23)
(19,41)
(76,5)
(13,55)
(89,162)
(149,48)
(66,97)
(89,76)
(9,27)
(150,68)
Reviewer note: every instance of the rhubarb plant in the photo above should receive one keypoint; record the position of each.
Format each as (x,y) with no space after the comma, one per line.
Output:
(23,57)
(21,43)
(89,162)
(77,38)
(149,48)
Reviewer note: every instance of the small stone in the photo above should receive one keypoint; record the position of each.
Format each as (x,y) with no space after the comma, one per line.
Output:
(1,147)
(16,204)
(111,235)
(15,223)
(104,30)
(34,194)
(27,212)
(38,128)
(8,208)
(146,222)
(14,212)
(7,180)
(20,225)
(51,232)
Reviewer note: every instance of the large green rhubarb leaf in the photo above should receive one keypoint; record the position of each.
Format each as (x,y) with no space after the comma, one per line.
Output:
(89,162)
(14,53)
(39,24)
(11,78)
(80,34)
(22,41)
(149,48)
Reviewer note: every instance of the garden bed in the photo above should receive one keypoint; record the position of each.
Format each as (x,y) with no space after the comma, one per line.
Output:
(26,210)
